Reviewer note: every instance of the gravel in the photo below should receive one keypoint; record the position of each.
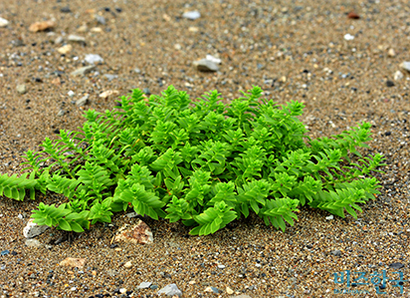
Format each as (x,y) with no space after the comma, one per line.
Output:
(303,55)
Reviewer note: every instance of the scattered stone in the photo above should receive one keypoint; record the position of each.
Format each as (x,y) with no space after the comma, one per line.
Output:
(58,40)
(65,49)
(32,229)
(390,83)
(191,15)
(193,29)
(221,266)
(33,243)
(138,234)
(206,65)
(128,264)
(330,217)
(76,38)
(110,77)
(82,101)
(96,30)
(336,253)
(21,89)
(177,47)
(82,29)
(353,15)
(391,53)
(398,75)
(93,58)
(243,296)
(212,290)
(61,113)
(4,23)
(137,70)
(144,285)
(213,59)
(146,91)
(70,93)
(170,290)
(41,26)
(100,19)
(65,9)
(83,70)
(348,37)
(405,65)
(73,262)
(229,291)
(396,266)
(108,93)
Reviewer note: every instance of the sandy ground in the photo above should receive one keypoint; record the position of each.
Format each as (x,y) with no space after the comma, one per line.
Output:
(293,50)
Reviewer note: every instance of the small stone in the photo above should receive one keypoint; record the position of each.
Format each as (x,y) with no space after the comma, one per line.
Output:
(65,9)
(405,65)
(390,83)
(398,75)
(76,38)
(70,93)
(123,290)
(144,285)
(3,23)
(193,29)
(82,29)
(21,89)
(353,15)
(348,37)
(93,58)
(138,234)
(153,287)
(170,290)
(229,291)
(206,65)
(65,49)
(58,40)
(82,101)
(243,296)
(60,113)
(108,93)
(128,264)
(396,266)
(5,252)
(83,70)
(100,19)
(336,253)
(110,77)
(73,262)
(137,70)
(213,59)
(33,243)
(391,53)
(221,266)
(96,30)
(41,26)
(330,217)
(191,15)
(146,91)
(177,47)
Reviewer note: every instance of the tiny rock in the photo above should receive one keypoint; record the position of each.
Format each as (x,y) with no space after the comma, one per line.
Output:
(405,65)
(330,217)
(213,59)
(398,75)
(58,40)
(229,291)
(21,89)
(138,234)
(390,83)
(336,253)
(100,19)
(3,23)
(193,29)
(41,26)
(170,290)
(33,243)
(353,15)
(93,58)
(83,70)
(82,101)
(65,49)
(243,296)
(144,285)
(108,93)
(82,29)
(96,30)
(391,53)
(128,264)
(32,229)
(206,65)
(73,262)
(348,37)
(191,15)
(76,38)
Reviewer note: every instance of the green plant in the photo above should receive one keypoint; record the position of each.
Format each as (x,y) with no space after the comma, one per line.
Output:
(203,162)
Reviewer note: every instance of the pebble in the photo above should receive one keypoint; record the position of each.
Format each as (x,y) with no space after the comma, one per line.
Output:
(221,266)
(348,37)
(82,101)
(398,75)
(330,217)
(32,229)
(353,15)
(58,40)
(65,49)
(213,59)
(33,243)
(144,285)
(110,77)
(336,253)
(41,26)
(170,290)
(206,65)
(390,83)
(396,266)
(139,233)
(229,291)
(108,93)
(191,15)
(100,19)
(70,93)
(3,23)
(76,38)
(391,53)
(73,262)
(83,70)
(243,296)
(60,113)
(65,9)
(93,58)
(128,264)
(21,89)
(146,91)
(405,65)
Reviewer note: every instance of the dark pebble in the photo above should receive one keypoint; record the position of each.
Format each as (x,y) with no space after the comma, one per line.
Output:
(146,91)
(65,9)
(396,266)
(389,83)
(387,133)
(5,252)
